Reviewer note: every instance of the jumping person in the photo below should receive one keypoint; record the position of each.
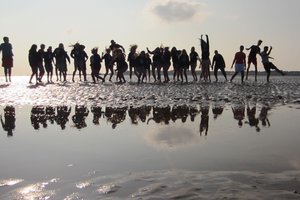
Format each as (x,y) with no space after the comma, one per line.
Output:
(267,64)
(254,50)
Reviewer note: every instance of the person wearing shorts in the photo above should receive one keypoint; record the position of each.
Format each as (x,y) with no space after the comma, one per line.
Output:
(7,58)
(239,62)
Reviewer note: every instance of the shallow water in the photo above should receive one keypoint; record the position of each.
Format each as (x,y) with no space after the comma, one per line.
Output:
(150,141)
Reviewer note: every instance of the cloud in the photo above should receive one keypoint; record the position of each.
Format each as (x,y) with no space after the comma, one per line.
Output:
(176,10)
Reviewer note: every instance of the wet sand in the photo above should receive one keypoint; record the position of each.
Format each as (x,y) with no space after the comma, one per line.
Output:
(151,141)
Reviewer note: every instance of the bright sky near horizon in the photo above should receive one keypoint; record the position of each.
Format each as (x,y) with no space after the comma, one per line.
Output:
(150,23)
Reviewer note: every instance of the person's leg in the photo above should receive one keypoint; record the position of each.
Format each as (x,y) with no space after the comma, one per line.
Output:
(216,73)
(242,76)
(247,72)
(224,73)
(235,73)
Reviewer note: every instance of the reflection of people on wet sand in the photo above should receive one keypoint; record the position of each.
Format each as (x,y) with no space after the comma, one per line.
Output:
(204,119)
(265,56)
(97,111)
(161,114)
(81,112)
(62,116)
(50,114)
(263,116)
(217,110)
(115,115)
(252,120)
(38,116)
(9,122)
(180,112)
(136,113)
(194,111)
(239,113)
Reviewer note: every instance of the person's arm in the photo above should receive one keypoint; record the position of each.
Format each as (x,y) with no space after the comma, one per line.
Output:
(151,52)
(213,62)
(233,62)
(207,41)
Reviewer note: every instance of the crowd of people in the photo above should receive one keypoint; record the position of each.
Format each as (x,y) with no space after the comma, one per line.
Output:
(143,64)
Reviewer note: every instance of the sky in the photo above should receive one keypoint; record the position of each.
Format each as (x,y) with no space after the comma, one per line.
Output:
(152,23)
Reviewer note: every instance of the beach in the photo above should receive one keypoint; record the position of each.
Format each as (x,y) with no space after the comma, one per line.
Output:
(151,141)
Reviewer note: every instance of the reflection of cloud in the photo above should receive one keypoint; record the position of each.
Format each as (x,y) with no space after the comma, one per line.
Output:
(171,138)
(295,164)
(176,10)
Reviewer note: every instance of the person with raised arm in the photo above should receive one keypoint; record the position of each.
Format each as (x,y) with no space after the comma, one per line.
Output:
(265,56)
(254,50)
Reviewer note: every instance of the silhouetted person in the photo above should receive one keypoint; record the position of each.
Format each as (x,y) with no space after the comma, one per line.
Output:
(61,58)
(75,54)
(265,56)
(140,66)
(62,116)
(205,61)
(184,63)
(175,61)
(7,58)
(41,69)
(156,63)
(108,63)
(239,113)
(148,66)
(114,46)
(132,56)
(204,120)
(193,62)
(81,112)
(239,62)
(33,62)
(9,122)
(95,63)
(218,63)
(166,63)
(48,58)
(122,65)
(254,50)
